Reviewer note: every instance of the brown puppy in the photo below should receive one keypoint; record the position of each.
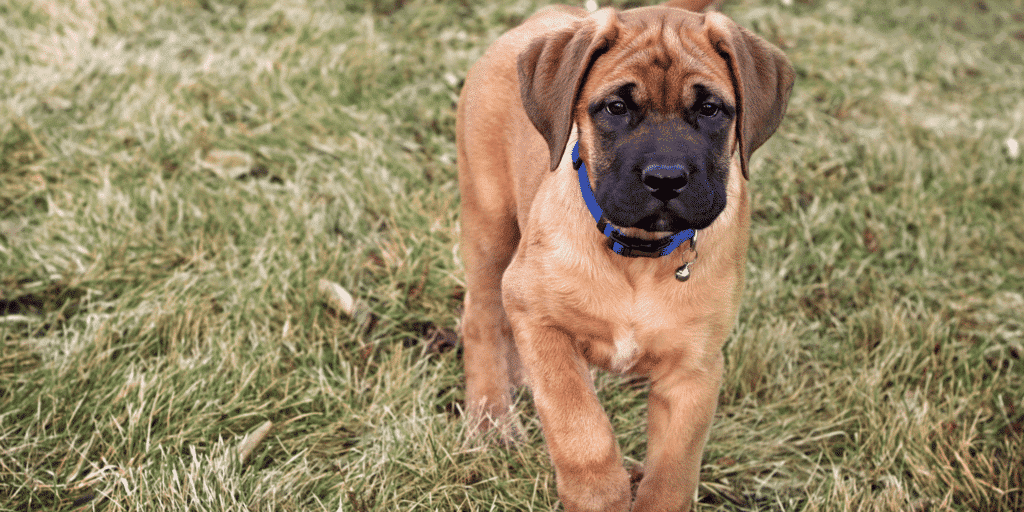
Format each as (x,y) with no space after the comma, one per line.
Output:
(666,106)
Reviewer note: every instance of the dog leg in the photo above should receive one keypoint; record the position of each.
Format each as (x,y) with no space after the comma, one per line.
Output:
(588,466)
(681,405)
(488,353)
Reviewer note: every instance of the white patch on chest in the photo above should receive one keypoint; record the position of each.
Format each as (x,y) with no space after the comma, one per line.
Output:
(627,352)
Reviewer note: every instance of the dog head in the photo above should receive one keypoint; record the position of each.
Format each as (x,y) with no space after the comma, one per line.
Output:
(662,99)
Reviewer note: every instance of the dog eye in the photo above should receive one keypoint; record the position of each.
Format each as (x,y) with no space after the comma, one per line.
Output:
(708,109)
(616,108)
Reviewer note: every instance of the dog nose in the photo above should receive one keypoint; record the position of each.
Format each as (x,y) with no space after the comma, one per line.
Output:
(665,182)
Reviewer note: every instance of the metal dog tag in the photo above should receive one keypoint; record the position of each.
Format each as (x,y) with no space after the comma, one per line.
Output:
(683,273)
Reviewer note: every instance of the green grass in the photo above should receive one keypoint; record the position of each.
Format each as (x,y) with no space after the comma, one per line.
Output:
(176,177)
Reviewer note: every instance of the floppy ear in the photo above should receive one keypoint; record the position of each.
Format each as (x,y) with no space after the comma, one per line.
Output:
(762,79)
(551,72)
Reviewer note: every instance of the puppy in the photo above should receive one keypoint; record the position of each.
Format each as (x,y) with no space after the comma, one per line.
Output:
(594,151)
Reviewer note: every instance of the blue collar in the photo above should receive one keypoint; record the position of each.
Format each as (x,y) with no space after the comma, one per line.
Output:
(618,242)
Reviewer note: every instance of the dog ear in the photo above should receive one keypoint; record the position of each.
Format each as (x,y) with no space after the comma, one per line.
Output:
(551,73)
(762,79)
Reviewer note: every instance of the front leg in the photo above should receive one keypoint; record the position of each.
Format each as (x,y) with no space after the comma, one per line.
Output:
(588,466)
(681,405)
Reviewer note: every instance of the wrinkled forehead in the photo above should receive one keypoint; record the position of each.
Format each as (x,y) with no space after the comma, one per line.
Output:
(665,58)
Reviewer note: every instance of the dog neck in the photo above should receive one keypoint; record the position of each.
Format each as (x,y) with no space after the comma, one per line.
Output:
(620,243)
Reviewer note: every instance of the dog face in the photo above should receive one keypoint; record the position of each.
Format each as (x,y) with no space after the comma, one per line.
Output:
(662,99)
(657,131)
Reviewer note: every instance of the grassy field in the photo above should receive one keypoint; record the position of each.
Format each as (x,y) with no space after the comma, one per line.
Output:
(176,176)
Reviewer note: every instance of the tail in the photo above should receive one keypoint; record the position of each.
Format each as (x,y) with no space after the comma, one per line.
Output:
(690,5)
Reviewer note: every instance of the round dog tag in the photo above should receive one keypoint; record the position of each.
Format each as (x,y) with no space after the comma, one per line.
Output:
(683,273)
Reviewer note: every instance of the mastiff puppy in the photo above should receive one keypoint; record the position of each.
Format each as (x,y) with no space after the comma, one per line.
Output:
(595,150)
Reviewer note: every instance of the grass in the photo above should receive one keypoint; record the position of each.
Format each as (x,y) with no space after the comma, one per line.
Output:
(177,176)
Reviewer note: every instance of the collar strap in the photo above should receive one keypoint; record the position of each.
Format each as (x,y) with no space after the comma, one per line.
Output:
(624,245)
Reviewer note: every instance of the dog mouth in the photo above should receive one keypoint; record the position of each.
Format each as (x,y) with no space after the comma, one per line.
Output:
(661,222)
(657,224)
(645,217)
(642,211)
